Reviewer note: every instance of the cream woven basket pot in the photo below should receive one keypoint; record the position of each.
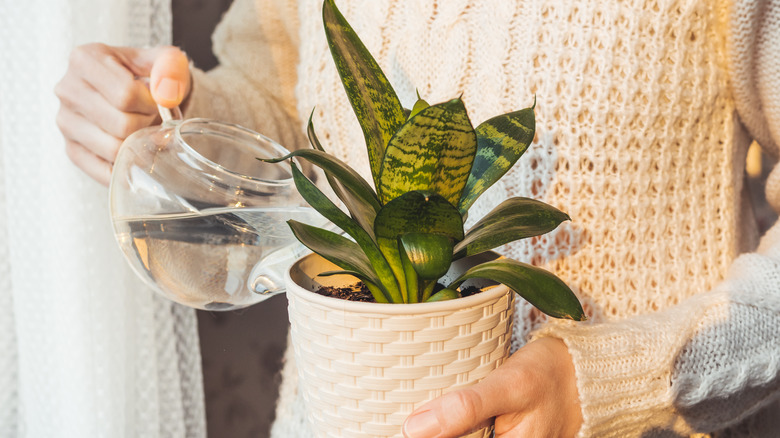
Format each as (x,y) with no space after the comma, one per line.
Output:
(364,367)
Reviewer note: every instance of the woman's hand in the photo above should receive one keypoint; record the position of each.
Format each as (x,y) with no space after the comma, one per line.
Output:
(533,394)
(104,98)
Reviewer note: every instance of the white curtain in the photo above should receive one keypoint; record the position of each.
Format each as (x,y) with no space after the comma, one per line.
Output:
(85,349)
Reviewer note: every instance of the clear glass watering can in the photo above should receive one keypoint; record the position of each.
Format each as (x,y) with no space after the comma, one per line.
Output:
(199,218)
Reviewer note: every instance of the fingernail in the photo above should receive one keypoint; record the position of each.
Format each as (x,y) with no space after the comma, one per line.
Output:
(169,89)
(422,425)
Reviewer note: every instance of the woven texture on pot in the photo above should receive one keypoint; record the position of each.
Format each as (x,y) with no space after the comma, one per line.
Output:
(364,367)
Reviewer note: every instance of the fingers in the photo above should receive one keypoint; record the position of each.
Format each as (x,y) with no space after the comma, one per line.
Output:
(79,98)
(503,391)
(95,167)
(104,97)
(77,129)
(532,394)
(460,412)
(108,71)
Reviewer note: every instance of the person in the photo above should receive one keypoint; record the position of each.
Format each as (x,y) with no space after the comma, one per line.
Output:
(645,110)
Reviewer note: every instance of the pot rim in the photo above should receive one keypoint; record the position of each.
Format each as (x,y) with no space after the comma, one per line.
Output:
(490,292)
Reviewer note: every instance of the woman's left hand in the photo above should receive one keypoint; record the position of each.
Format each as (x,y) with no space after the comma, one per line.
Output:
(533,394)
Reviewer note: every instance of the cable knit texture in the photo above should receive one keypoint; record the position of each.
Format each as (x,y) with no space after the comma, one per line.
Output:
(641,138)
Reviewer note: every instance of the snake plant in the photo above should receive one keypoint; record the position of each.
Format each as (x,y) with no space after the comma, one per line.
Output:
(429,165)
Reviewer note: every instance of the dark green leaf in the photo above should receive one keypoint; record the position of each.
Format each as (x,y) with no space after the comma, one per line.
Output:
(335,248)
(318,201)
(500,143)
(513,219)
(541,288)
(373,99)
(420,212)
(350,179)
(432,151)
(362,208)
(429,254)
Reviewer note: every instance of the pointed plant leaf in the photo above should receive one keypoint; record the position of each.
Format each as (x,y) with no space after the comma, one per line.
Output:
(500,143)
(541,288)
(420,212)
(361,208)
(432,151)
(332,166)
(335,248)
(373,99)
(418,106)
(312,134)
(513,219)
(429,254)
(318,201)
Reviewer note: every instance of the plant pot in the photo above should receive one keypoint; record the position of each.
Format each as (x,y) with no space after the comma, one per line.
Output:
(364,367)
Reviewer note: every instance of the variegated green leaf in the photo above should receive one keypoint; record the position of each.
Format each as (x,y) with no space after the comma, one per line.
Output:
(432,151)
(337,249)
(420,212)
(500,143)
(411,277)
(541,288)
(318,201)
(513,219)
(373,99)
(418,106)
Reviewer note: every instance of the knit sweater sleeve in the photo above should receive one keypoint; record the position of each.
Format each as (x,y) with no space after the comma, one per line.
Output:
(713,360)
(256,43)
(699,366)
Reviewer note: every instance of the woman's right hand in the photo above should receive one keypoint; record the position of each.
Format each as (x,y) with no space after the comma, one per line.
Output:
(104,97)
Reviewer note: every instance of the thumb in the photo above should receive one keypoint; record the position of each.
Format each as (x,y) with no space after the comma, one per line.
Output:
(169,80)
(507,389)
(167,68)
(453,414)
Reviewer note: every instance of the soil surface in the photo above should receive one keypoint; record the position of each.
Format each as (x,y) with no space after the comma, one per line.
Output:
(353,292)
(359,292)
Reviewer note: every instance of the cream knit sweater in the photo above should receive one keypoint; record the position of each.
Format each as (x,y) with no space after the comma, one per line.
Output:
(645,110)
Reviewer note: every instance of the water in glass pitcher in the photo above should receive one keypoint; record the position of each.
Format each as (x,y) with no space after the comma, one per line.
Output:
(218,258)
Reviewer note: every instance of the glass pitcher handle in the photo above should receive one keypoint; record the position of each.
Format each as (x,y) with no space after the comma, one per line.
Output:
(168,114)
